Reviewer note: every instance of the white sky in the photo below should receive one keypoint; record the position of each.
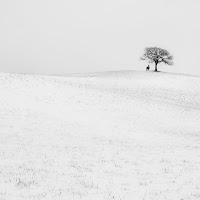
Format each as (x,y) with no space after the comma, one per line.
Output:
(65,36)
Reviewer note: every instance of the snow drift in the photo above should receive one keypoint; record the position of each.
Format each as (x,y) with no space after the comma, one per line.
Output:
(112,135)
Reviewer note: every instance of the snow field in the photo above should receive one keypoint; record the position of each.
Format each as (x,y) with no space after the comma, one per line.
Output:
(114,135)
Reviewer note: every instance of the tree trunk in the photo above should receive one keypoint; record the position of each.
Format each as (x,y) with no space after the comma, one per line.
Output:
(156,66)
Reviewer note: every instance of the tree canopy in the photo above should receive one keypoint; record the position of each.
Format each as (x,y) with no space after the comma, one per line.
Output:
(157,55)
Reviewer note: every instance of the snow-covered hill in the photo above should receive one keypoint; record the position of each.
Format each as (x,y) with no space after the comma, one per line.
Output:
(115,135)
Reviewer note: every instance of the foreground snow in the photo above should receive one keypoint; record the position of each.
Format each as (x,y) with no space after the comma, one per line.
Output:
(114,135)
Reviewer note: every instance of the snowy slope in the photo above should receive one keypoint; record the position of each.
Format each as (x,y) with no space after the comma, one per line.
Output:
(112,135)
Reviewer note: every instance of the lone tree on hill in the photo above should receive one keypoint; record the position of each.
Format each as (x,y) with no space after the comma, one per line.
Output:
(157,55)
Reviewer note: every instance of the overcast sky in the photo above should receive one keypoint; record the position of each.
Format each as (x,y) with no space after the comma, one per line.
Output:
(67,36)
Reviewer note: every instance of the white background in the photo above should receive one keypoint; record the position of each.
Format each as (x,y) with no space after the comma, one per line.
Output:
(65,36)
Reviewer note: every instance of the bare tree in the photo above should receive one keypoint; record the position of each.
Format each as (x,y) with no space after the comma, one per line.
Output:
(157,55)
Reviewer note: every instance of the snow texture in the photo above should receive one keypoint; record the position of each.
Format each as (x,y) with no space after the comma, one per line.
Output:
(106,136)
